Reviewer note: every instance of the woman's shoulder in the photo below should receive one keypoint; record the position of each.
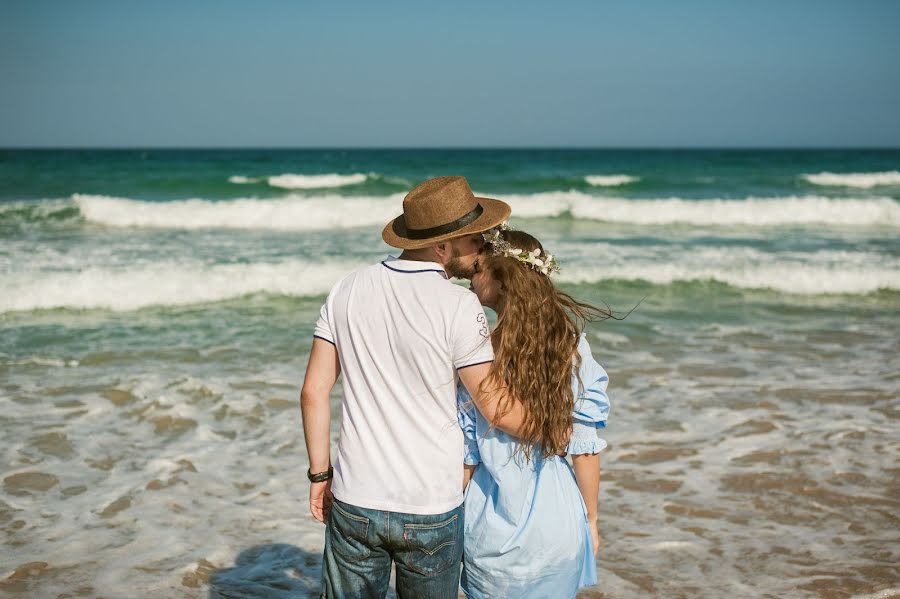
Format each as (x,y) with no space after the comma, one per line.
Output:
(590,368)
(584,348)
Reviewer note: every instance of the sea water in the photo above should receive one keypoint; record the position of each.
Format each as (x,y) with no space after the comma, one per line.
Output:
(157,310)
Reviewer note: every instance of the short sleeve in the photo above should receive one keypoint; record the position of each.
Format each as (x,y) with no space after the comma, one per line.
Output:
(591,404)
(465,412)
(470,334)
(323,325)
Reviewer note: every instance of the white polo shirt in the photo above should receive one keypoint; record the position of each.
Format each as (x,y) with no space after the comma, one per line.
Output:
(401,330)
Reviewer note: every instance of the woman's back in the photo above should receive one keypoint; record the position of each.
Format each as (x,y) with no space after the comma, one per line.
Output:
(527,533)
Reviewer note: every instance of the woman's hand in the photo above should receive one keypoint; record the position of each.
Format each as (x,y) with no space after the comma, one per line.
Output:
(320,500)
(468,471)
(595,538)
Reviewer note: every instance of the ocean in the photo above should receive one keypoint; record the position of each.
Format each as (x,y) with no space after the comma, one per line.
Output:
(157,308)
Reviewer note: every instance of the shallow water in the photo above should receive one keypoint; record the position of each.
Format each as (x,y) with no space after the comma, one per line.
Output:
(747,459)
(150,368)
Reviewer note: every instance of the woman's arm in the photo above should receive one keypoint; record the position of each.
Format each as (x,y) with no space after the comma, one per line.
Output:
(587,474)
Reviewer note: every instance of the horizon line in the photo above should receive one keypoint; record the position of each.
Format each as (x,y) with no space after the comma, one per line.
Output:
(444,148)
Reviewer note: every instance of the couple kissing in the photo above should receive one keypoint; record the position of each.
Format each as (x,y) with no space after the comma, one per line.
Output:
(451,461)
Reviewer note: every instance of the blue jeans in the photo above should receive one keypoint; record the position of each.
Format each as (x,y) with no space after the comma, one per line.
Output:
(361,543)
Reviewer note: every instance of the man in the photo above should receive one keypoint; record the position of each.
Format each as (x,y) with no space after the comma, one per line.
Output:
(401,333)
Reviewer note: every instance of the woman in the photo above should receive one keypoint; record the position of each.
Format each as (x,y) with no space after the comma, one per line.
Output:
(530,525)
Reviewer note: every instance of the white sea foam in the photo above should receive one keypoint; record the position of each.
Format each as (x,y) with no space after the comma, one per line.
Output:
(790,210)
(860,180)
(806,281)
(610,180)
(243,180)
(821,273)
(891,593)
(291,181)
(163,283)
(287,214)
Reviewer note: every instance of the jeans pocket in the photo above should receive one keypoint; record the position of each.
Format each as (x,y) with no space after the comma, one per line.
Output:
(433,547)
(348,533)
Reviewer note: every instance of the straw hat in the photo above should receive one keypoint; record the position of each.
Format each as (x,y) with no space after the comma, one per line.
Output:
(439,209)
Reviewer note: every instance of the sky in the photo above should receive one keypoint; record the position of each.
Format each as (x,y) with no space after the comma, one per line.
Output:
(673,73)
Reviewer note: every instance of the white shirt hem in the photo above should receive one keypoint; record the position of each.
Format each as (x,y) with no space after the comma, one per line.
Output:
(391,506)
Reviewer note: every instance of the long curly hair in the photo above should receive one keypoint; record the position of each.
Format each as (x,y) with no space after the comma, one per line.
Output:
(535,344)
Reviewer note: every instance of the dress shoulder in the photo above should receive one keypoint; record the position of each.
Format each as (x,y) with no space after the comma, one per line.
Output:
(591,403)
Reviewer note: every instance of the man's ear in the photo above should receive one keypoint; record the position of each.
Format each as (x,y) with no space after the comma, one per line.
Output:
(443,250)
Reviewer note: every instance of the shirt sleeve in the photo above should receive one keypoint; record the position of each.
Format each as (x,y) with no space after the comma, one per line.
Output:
(471,337)
(465,412)
(591,404)
(323,325)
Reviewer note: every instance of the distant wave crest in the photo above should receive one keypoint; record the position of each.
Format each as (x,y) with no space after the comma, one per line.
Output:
(290,181)
(243,180)
(610,180)
(859,180)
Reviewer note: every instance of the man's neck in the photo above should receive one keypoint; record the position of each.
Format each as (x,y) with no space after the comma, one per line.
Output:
(423,255)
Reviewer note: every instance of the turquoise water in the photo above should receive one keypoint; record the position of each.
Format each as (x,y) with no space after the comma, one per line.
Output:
(179,174)
(157,309)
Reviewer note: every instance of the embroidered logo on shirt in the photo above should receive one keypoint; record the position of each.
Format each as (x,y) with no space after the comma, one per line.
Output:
(482,320)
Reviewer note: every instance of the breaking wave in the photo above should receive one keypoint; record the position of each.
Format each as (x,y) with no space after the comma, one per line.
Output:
(322,212)
(288,214)
(123,287)
(165,284)
(860,180)
(790,210)
(791,279)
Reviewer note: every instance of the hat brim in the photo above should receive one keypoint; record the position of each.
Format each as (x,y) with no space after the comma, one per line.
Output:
(495,212)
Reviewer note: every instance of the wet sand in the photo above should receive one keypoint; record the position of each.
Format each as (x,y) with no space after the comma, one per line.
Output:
(744,461)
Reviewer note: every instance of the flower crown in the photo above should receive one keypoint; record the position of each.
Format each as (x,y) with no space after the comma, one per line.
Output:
(543,263)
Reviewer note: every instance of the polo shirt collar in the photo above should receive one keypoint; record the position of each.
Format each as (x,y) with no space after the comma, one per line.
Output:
(413,266)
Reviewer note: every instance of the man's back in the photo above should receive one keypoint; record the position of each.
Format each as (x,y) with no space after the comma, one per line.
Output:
(401,330)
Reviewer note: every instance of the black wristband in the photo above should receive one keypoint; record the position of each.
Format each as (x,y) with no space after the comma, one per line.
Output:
(320,477)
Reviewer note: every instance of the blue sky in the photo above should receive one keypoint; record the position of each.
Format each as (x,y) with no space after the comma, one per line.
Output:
(677,73)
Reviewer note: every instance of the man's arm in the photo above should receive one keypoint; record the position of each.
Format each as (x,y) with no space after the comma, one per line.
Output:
(321,374)
(489,401)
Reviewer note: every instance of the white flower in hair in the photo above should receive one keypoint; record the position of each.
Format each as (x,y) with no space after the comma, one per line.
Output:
(545,264)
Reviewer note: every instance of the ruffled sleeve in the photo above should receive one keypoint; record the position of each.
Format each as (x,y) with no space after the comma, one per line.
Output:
(465,412)
(591,404)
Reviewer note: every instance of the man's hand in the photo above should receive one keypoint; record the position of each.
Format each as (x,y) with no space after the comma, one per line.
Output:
(320,500)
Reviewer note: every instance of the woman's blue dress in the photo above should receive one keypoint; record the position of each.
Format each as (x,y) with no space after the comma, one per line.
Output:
(526,528)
